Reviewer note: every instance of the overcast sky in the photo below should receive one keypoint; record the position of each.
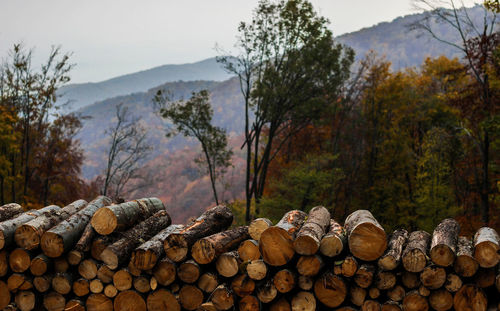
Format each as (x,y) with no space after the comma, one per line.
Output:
(114,37)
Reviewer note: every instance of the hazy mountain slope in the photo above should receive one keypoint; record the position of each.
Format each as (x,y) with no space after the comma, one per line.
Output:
(85,94)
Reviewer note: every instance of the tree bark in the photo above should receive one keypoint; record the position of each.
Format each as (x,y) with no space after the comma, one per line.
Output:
(9,211)
(76,255)
(465,263)
(276,243)
(330,289)
(415,253)
(333,242)
(367,239)
(257,226)
(444,242)
(61,238)
(205,251)
(392,257)
(28,235)
(214,220)
(308,239)
(487,247)
(119,252)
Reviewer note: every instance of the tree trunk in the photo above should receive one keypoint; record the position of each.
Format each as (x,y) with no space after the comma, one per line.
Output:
(333,242)
(28,235)
(191,297)
(129,301)
(10,211)
(61,238)
(257,226)
(391,258)
(228,264)
(189,271)
(276,243)
(257,269)
(415,253)
(119,217)
(330,289)
(76,255)
(242,285)
(249,250)
(303,301)
(147,254)
(367,239)
(120,251)
(8,227)
(413,301)
(223,298)
(444,242)
(205,251)
(470,297)
(214,220)
(309,265)
(161,300)
(307,241)
(99,302)
(487,247)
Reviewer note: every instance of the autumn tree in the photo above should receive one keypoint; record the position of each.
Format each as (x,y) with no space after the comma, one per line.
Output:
(290,69)
(193,118)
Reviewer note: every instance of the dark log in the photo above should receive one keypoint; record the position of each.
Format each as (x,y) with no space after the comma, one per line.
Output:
(205,250)
(330,289)
(487,247)
(366,237)
(465,263)
(88,269)
(413,301)
(28,235)
(410,280)
(308,238)
(391,306)
(374,292)
(208,282)
(249,303)
(9,211)
(242,285)
(257,269)
(228,264)
(444,242)
(81,287)
(385,280)
(349,266)
(249,250)
(397,293)
(280,305)
(76,255)
(60,264)
(303,301)
(179,242)
(129,301)
(4,262)
(371,305)
(424,291)
(358,295)
(42,283)
(162,300)
(62,283)
(257,226)
(8,227)
(284,280)
(119,252)
(433,277)
(470,297)
(334,241)
(309,265)
(62,237)
(305,283)
(392,256)
(105,274)
(266,291)
(364,275)
(146,255)
(122,280)
(25,300)
(415,253)
(20,260)
(441,300)
(485,277)
(165,272)
(453,283)
(276,243)
(190,297)
(99,302)
(189,271)
(4,295)
(54,301)
(40,264)
(497,280)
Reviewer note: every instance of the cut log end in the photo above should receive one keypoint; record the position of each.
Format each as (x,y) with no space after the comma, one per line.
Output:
(331,245)
(104,221)
(470,297)
(52,244)
(27,237)
(276,246)
(161,300)
(306,245)
(203,252)
(99,302)
(129,301)
(258,226)
(176,247)
(4,295)
(414,261)
(144,259)
(75,257)
(487,254)
(109,258)
(442,255)
(367,242)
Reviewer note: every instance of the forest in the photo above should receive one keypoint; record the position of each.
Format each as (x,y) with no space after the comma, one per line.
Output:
(413,145)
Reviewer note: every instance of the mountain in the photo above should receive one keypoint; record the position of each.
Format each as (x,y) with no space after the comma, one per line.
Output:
(83,94)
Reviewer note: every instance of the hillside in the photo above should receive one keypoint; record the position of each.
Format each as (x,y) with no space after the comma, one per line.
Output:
(84,94)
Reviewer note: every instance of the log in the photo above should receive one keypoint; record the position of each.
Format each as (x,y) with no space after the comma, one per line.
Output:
(105,274)
(276,243)
(146,255)
(9,211)
(334,241)
(397,293)
(207,306)
(465,263)
(453,283)
(119,252)
(433,277)
(308,238)
(205,250)
(249,250)
(179,242)
(309,265)
(75,305)
(257,226)
(303,301)
(81,287)
(162,300)
(415,253)
(190,297)
(249,303)
(110,291)
(20,260)
(228,264)
(99,244)
(371,305)
(118,217)
(28,235)
(266,291)
(487,247)
(165,272)
(99,302)
(470,297)
(391,306)
(42,283)
(373,292)
(358,295)
(62,283)
(76,255)
(257,269)
(40,264)
(129,301)
(60,264)
(424,291)
(4,262)
(280,305)
(349,266)
(385,280)
(410,280)
(189,271)
(4,295)
(53,301)
(153,283)
(441,300)
(18,281)
(97,287)
(305,283)
(133,269)
(366,237)
(413,301)
(222,298)
(8,227)
(392,256)
(88,269)
(284,280)
(62,237)
(330,290)
(242,285)
(485,277)
(122,280)
(444,242)
(208,282)
(364,275)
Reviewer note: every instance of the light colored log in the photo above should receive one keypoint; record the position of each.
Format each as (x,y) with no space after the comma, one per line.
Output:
(392,256)
(334,241)
(415,253)
(487,247)
(444,242)
(366,237)
(308,238)
(257,226)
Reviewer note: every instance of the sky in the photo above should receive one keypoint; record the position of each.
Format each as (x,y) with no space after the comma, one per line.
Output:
(108,38)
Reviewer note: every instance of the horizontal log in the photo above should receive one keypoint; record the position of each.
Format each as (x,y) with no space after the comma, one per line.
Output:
(487,247)
(307,241)
(392,256)
(257,226)
(205,250)
(444,242)
(9,211)
(366,237)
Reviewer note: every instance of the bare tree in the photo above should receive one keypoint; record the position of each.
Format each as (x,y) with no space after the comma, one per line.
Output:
(127,151)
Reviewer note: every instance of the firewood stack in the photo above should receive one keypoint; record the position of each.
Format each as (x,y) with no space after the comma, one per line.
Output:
(128,256)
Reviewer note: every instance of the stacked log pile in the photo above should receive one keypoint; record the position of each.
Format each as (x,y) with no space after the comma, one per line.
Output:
(128,256)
